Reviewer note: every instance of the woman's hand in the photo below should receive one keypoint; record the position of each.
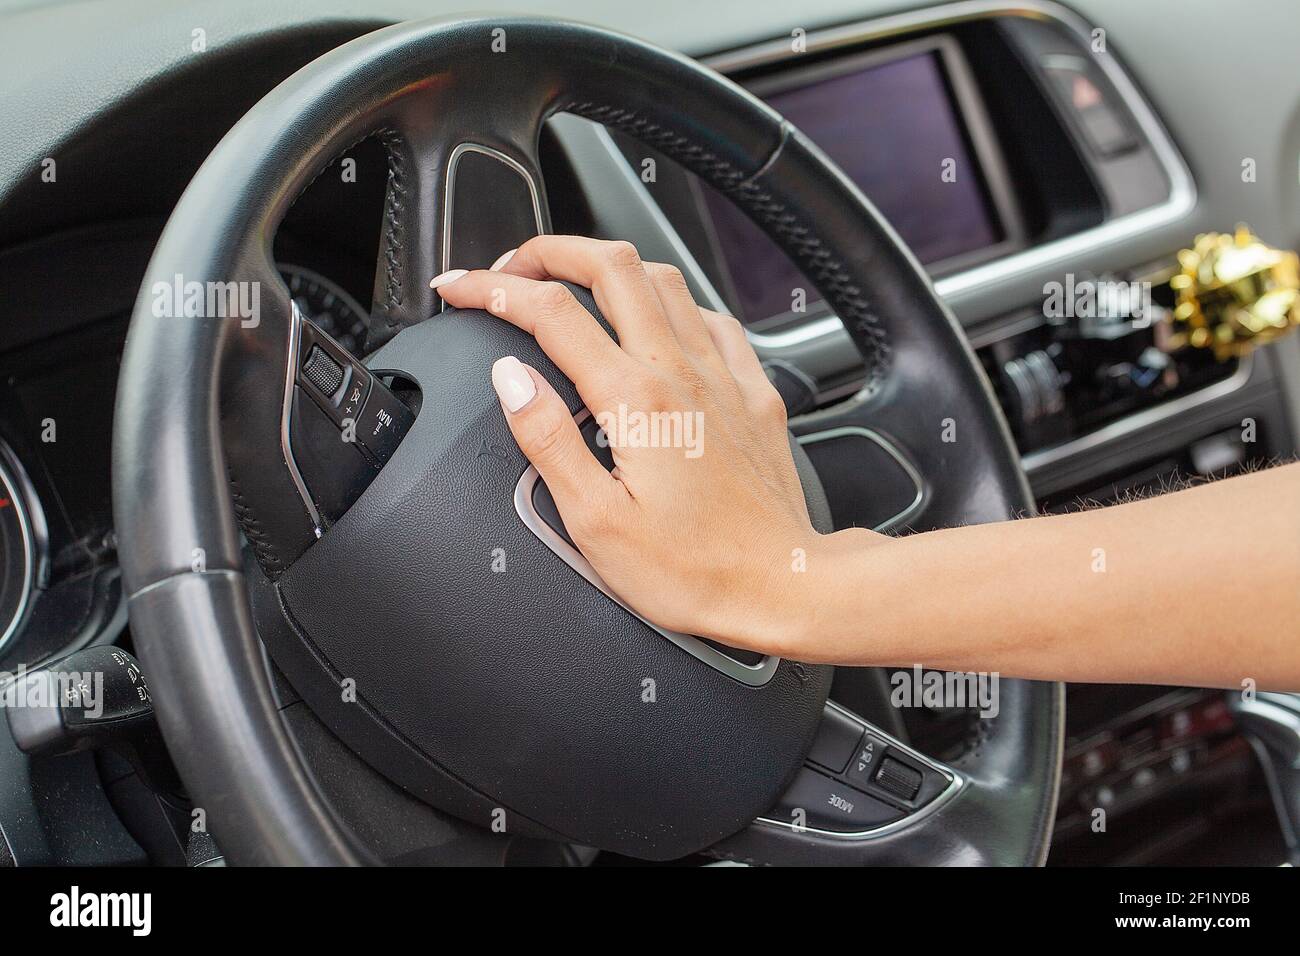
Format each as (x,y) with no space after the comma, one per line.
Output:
(710,535)
(707,536)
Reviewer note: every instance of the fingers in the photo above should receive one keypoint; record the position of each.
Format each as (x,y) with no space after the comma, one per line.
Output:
(614,273)
(729,338)
(549,437)
(760,395)
(648,304)
(567,332)
(683,314)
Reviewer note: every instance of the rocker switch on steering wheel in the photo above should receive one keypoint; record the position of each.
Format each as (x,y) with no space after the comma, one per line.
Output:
(350,427)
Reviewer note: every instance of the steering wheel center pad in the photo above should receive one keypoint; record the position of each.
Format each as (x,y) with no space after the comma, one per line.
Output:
(504,668)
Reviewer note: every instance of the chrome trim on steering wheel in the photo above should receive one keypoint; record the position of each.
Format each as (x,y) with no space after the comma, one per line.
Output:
(449,200)
(755,675)
(286,418)
(845,431)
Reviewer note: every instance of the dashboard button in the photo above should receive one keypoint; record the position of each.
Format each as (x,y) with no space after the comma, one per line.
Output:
(1105,129)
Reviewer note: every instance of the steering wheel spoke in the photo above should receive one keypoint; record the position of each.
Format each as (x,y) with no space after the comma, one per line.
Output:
(857,784)
(464,186)
(869,475)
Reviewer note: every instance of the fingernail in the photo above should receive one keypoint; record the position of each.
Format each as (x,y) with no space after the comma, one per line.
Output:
(502,260)
(451,275)
(515,387)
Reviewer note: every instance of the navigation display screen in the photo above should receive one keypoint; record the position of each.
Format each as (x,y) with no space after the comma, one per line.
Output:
(894,130)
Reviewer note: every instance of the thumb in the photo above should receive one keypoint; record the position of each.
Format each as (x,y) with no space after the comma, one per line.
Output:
(547,434)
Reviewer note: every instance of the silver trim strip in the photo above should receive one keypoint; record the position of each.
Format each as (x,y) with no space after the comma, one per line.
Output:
(755,675)
(449,201)
(956,782)
(1157,414)
(1182,188)
(31,525)
(845,430)
(286,417)
(816,329)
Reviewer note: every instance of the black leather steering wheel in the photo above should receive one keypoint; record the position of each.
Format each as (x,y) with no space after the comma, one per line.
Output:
(517,697)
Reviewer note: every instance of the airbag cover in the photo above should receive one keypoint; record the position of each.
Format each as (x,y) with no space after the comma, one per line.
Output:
(475,642)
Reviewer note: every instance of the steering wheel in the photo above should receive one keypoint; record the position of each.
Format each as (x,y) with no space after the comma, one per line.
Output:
(516,699)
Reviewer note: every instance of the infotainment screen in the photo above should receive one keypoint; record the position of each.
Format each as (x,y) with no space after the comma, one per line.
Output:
(895,130)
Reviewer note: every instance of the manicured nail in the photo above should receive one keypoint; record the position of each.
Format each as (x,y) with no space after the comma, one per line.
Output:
(515,387)
(451,275)
(502,260)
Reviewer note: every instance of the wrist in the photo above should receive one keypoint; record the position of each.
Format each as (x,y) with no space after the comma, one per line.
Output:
(819,618)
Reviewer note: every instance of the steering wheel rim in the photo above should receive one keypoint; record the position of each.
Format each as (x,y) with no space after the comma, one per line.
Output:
(178,445)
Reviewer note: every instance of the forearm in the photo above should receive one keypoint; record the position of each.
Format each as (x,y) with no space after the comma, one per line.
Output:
(1200,587)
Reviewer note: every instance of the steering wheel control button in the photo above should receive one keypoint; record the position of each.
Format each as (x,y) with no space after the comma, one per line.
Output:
(383,422)
(352,396)
(899,779)
(821,803)
(869,781)
(836,741)
(322,371)
(866,761)
(339,383)
(335,471)
(349,428)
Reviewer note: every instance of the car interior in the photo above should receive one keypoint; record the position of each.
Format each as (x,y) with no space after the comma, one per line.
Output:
(306,653)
